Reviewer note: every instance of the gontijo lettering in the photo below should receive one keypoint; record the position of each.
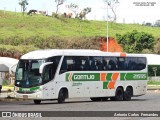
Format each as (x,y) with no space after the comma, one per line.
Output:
(84,77)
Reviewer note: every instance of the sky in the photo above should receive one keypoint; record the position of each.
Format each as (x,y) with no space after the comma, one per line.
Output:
(128,11)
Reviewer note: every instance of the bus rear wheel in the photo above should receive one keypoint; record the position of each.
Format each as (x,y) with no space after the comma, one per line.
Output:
(37,102)
(118,95)
(128,94)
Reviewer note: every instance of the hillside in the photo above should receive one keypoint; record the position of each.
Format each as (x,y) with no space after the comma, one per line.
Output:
(20,32)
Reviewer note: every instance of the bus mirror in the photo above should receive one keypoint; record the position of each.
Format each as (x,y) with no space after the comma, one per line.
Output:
(43,65)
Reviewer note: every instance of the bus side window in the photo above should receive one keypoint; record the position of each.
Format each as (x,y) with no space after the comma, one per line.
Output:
(68,64)
(86,65)
(112,65)
(99,65)
(141,63)
(78,63)
(96,63)
(93,65)
(105,66)
(121,62)
(64,66)
(132,63)
(129,65)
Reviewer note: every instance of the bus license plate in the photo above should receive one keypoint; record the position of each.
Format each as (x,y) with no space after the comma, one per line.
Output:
(25,96)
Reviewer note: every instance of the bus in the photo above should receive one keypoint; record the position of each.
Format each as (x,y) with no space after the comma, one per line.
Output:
(55,74)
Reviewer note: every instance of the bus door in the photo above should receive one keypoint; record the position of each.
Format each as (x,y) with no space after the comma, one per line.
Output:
(48,77)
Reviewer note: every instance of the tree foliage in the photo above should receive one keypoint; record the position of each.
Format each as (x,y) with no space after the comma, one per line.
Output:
(73,7)
(23,4)
(58,3)
(112,4)
(136,42)
(84,12)
(151,72)
(157,46)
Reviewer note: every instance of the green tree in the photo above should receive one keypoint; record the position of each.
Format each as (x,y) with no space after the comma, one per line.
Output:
(157,46)
(23,4)
(84,12)
(58,3)
(73,7)
(151,70)
(136,42)
(112,4)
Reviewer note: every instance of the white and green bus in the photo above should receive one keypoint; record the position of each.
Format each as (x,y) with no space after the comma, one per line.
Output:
(59,74)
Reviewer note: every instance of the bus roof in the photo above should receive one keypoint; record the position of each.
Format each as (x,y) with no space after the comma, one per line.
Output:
(42,54)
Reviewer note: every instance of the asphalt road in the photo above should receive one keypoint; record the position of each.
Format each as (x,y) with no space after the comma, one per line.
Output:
(148,102)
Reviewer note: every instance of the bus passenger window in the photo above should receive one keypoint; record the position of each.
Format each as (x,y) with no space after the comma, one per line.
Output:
(112,65)
(96,63)
(68,64)
(104,64)
(132,63)
(121,62)
(141,63)
(93,65)
(86,65)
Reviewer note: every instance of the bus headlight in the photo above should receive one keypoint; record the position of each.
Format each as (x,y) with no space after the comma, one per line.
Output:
(16,88)
(37,96)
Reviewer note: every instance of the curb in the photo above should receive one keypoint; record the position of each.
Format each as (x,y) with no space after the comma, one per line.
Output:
(153,89)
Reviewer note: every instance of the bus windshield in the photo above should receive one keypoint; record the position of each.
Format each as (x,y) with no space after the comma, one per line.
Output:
(27,73)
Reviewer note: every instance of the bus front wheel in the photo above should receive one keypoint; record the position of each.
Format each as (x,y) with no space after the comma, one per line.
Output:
(61,96)
(37,101)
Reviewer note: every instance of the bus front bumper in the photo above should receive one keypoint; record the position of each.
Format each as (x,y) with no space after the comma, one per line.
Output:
(37,95)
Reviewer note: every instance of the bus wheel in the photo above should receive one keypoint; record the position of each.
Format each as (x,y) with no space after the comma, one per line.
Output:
(128,94)
(61,96)
(37,101)
(118,95)
(96,99)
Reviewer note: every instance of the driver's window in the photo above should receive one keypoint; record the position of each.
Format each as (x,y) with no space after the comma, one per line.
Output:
(48,73)
(19,74)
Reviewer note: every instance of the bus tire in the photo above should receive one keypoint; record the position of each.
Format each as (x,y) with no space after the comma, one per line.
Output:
(128,94)
(118,95)
(61,96)
(37,102)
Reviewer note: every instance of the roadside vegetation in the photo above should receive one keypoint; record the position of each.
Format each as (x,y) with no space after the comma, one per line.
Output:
(20,34)
(150,82)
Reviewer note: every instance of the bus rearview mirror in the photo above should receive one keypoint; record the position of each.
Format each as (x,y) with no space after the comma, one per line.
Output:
(43,65)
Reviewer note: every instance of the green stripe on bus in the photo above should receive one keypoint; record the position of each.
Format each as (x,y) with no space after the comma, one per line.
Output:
(133,76)
(29,89)
(105,85)
(109,76)
(122,76)
(67,75)
(96,76)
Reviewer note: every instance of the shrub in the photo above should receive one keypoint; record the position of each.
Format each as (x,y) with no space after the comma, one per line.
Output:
(136,42)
